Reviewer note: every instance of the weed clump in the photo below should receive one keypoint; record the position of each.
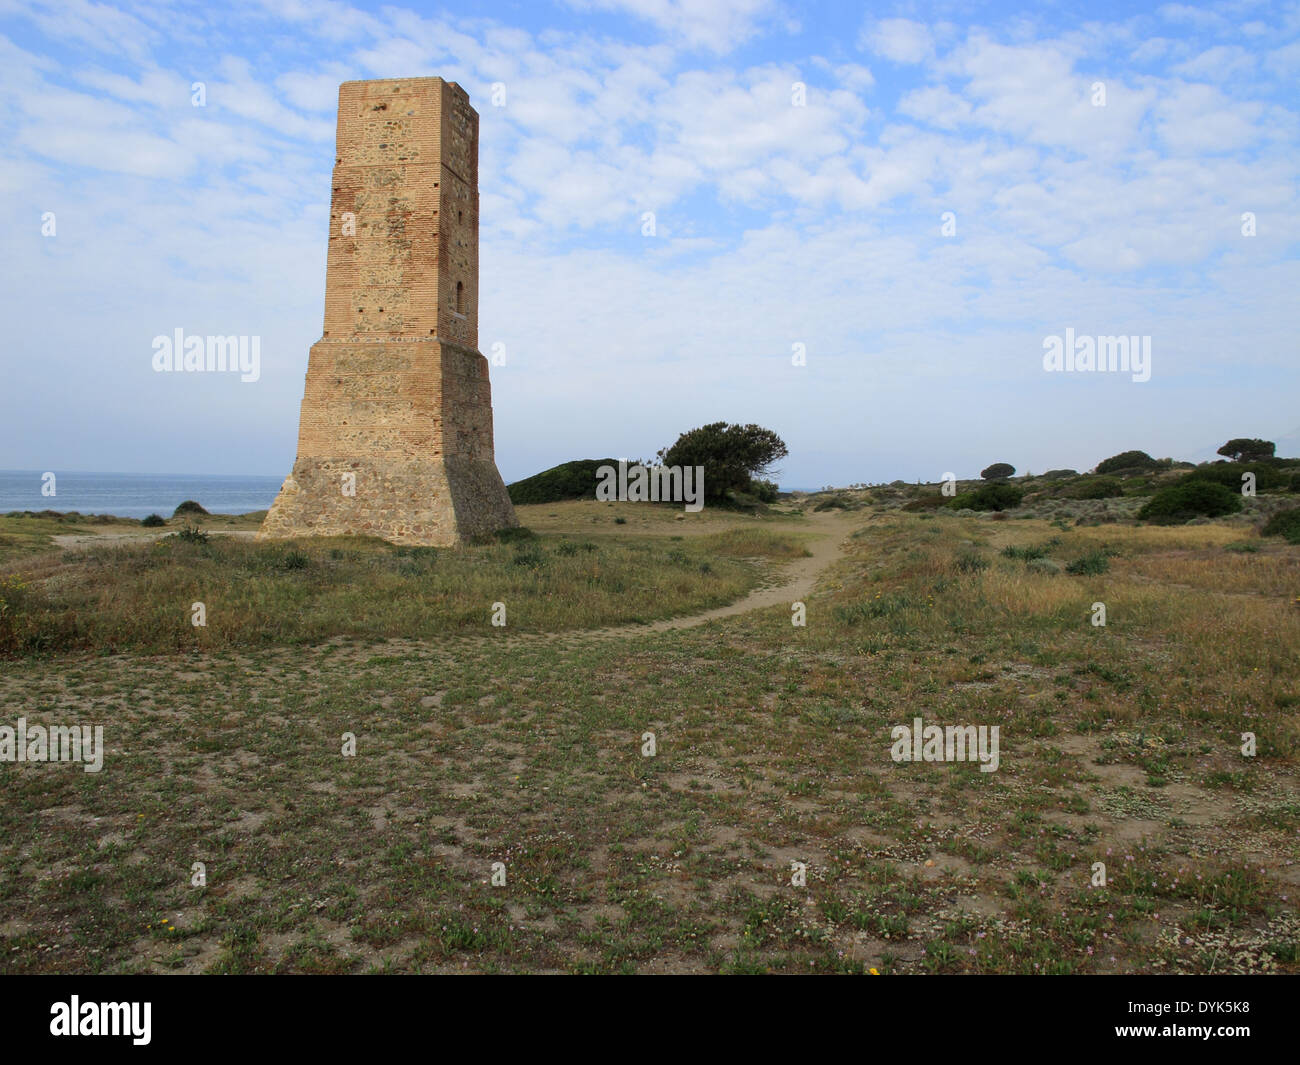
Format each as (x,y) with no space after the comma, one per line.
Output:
(1092,564)
(1285,523)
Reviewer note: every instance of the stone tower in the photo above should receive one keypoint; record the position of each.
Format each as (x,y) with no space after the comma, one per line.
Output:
(395,436)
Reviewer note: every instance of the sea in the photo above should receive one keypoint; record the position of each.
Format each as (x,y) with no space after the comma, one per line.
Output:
(133,495)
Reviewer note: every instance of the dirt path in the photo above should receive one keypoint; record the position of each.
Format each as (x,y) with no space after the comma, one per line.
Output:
(829,530)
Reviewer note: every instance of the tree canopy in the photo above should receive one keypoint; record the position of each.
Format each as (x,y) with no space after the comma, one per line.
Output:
(732,455)
(1127,460)
(998,471)
(1244,449)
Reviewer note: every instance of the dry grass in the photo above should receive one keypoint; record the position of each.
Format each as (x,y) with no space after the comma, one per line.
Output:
(141,596)
(1119,745)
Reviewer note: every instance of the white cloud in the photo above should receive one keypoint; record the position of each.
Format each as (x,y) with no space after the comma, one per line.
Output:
(1218,63)
(777,224)
(1184,14)
(898,39)
(1200,119)
(716,25)
(936,105)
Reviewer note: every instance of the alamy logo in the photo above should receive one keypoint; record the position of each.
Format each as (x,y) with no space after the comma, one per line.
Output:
(951,743)
(1086,354)
(58,743)
(102,1018)
(195,354)
(651,484)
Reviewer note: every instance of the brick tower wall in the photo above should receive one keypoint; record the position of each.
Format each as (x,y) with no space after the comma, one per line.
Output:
(397,392)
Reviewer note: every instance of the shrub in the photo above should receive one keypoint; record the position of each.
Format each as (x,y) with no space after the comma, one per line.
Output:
(993,496)
(529,556)
(1057,475)
(925,502)
(764,491)
(838,502)
(620,521)
(1028,554)
(190,534)
(1127,460)
(189,507)
(153,521)
(1295,482)
(998,471)
(971,562)
(294,559)
(1190,498)
(1089,565)
(1229,474)
(1097,488)
(1285,523)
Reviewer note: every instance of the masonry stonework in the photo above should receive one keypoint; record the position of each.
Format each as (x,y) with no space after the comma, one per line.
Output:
(397,393)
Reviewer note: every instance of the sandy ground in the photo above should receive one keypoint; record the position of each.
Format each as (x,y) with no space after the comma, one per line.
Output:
(75,540)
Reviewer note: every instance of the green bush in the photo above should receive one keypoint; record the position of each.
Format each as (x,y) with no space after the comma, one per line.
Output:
(153,521)
(925,502)
(1097,488)
(1089,565)
(994,496)
(1189,498)
(569,548)
(971,562)
(1027,554)
(764,491)
(529,555)
(189,507)
(837,502)
(1127,460)
(191,534)
(1285,523)
(1229,474)
(1058,475)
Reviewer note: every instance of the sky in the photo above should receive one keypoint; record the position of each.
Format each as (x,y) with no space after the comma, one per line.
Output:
(868,222)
